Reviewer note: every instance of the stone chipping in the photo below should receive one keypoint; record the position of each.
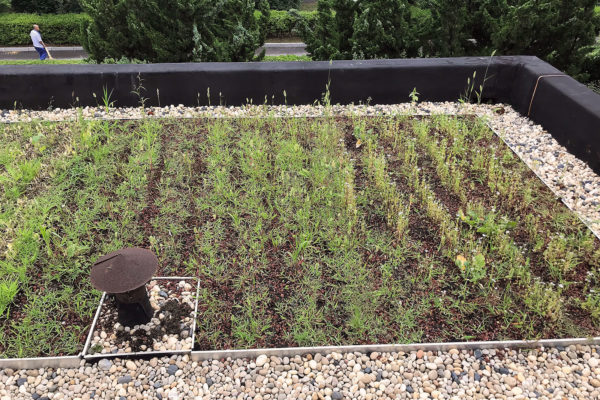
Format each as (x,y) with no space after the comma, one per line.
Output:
(544,373)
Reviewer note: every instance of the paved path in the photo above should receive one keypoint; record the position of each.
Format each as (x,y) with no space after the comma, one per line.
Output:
(77,52)
(29,53)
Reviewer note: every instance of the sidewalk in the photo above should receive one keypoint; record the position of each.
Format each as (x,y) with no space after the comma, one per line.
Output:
(77,52)
(29,53)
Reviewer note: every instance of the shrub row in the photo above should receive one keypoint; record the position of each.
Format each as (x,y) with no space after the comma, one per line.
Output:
(56,29)
(284,24)
(64,29)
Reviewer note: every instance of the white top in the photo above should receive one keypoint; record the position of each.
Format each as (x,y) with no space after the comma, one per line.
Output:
(36,38)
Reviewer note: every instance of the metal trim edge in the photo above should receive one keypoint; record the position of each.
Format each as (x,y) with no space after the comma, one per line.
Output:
(388,348)
(558,195)
(96,316)
(41,362)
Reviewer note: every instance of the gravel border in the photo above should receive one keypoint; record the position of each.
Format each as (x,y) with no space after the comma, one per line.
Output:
(544,373)
(569,178)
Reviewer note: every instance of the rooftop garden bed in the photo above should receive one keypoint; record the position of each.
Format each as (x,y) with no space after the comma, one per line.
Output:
(302,231)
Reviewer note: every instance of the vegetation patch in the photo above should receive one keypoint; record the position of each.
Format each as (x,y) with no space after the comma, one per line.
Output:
(288,57)
(303,231)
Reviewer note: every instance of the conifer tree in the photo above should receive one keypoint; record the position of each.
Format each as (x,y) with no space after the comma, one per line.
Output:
(330,38)
(452,27)
(557,31)
(347,29)
(173,31)
(380,29)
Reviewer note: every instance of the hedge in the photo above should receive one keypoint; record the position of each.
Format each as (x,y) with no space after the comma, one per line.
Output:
(288,23)
(56,29)
(63,29)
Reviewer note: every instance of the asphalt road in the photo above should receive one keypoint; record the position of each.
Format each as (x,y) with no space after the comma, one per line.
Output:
(76,52)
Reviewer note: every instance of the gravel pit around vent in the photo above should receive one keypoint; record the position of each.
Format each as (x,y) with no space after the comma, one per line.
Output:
(171,330)
(151,182)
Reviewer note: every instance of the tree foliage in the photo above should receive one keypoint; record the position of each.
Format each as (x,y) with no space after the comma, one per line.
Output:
(46,6)
(4,6)
(284,4)
(557,31)
(174,30)
(330,37)
(359,29)
(560,32)
(380,29)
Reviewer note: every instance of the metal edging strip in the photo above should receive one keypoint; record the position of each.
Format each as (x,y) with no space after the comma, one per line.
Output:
(195,313)
(40,362)
(391,348)
(89,338)
(597,234)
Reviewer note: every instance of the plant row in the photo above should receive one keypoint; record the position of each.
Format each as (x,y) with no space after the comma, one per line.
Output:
(303,231)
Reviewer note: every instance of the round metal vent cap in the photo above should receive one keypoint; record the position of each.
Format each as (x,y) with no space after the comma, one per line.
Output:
(123,270)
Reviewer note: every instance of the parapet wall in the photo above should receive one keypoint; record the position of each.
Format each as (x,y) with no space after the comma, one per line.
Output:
(566,108)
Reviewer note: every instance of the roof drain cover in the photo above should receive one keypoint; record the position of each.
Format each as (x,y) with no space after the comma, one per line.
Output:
(124,274)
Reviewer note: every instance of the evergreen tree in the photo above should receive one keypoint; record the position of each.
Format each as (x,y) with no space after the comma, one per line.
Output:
(107,35)
(228,31)
(560,32)
(4,6)
(484,20)
(173,31)
(330,39)
(347,29)
(452,21)
(380,29)
(557,31)
(46,6)
(422,37)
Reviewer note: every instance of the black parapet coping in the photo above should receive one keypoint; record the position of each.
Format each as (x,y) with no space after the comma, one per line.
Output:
(564,107)
(567,109)
(197,84)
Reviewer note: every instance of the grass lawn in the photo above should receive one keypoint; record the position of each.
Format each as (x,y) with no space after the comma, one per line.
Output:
(303,231)
(40,62)
(74,61)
